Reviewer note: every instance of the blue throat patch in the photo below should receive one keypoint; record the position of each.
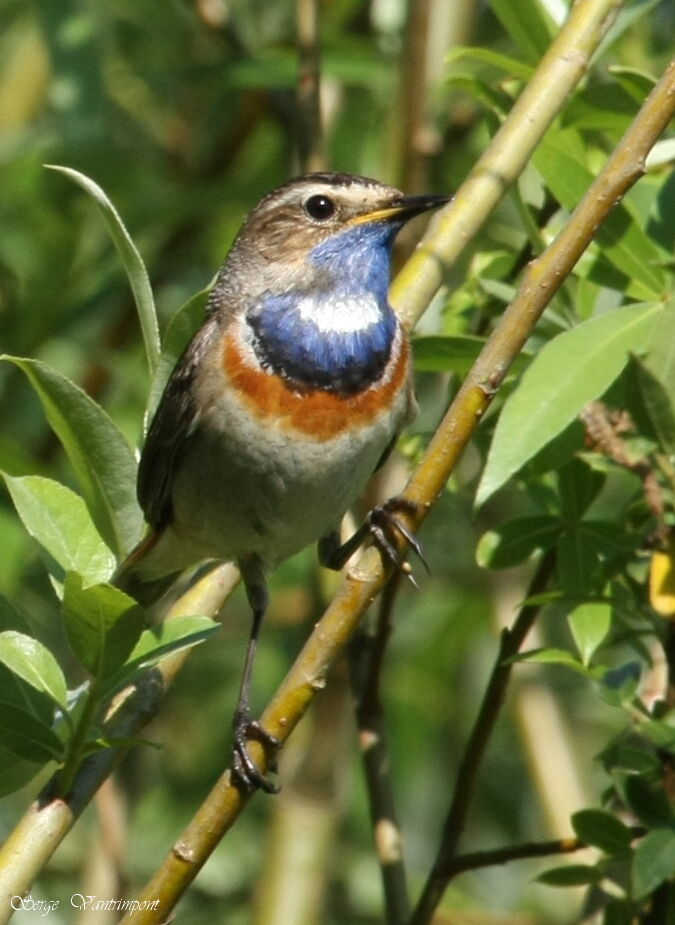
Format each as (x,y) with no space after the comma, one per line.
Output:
(336,338)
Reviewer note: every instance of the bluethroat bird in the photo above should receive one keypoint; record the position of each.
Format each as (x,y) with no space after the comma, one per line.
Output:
(284,404)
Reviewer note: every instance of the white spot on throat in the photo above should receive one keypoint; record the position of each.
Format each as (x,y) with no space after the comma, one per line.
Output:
(340,314)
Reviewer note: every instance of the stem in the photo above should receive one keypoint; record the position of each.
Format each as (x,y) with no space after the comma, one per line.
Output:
(310,142)
(467,775)
(79,739)
(366,668)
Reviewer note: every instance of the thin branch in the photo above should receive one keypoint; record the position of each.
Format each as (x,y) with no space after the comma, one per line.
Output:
(494,856)
(366,667)
(310,138)
(467,775)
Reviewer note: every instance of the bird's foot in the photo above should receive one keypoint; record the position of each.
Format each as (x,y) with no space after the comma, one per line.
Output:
(381,521)
(244,769)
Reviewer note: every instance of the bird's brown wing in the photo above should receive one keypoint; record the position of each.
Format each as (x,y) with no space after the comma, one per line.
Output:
(174,422)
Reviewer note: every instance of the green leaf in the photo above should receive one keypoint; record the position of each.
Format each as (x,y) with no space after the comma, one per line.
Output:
(28,737)
(660,358)
(33,662)
(578,486)
(99,454)
(514,542)
(102,624)
(59,520)
(133,263)
(552,656)
(553,390)
(648,801)
(637,84)
(653,862)
(596,827)
(10,618)
(159,641)
(570,875)
(454,354)
(660,733)
(651,406)
(511,66)
(590,623)
(527,24)
(15,772)
(618,912)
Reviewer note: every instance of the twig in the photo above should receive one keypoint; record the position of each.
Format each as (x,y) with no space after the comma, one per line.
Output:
(310,138)
(493,700)
(494,856)
(366,667)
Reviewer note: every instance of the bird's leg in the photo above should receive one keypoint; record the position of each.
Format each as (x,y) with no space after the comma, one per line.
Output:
(243,767)
(380,522)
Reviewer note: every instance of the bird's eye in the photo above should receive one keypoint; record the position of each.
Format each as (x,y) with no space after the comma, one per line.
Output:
(319,207)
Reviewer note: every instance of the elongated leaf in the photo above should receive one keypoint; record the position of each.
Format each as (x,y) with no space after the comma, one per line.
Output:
(99,454)
(33,662)
(511,66)
(27,737)
(133,263)
(527,24)
(571,875)
(60,522)
(158,642)
(570,371)
(102,623)
(660,358)
(651,406)
(446,354)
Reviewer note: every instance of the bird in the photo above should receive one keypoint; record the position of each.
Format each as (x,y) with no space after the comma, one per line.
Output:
(289,397)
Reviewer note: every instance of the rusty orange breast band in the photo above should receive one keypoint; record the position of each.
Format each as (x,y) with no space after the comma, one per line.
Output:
(315,413)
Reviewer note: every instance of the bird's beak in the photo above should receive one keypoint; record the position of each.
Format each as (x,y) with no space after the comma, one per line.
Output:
(401,209)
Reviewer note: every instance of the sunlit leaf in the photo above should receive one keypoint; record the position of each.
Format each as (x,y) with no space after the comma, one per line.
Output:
(590,623)
(102,624)
(553,390)
(59,520)
(99,454)
(33,662)
(132,260)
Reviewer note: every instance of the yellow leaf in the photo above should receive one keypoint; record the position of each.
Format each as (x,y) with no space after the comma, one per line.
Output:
(662,580)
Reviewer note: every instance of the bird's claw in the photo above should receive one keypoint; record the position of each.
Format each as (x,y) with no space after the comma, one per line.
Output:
(382,519)
(244,769)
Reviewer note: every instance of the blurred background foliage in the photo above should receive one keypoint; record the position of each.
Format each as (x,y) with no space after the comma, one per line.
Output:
(184,112)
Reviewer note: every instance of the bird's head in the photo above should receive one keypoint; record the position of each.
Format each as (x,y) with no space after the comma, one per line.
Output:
(330,219)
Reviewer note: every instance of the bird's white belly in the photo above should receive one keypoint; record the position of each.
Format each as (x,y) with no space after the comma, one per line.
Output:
(255,488)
